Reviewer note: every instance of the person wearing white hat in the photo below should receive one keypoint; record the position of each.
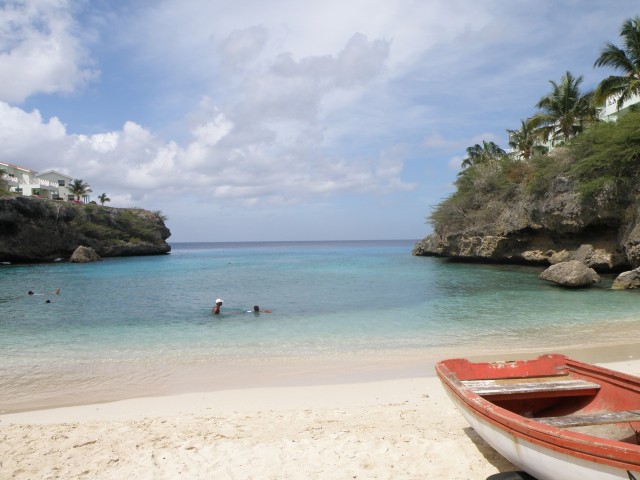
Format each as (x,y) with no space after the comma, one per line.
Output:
(216,308)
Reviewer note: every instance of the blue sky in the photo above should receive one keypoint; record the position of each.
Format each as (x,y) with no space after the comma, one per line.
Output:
(282,120)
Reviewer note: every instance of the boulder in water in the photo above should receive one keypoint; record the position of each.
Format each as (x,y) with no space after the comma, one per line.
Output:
(573,273)
(627,280)
(84,254)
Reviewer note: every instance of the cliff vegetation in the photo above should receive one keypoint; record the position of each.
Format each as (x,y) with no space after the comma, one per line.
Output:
(580,200)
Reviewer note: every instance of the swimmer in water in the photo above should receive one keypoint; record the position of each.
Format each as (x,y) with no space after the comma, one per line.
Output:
(256,310)
(216,308)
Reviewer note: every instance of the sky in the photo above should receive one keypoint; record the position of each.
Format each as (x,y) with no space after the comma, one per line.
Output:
(282,120)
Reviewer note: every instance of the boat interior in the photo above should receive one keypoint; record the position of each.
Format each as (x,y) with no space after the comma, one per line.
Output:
(570,400)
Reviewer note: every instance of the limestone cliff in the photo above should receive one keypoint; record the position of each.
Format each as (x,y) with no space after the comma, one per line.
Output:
(37,230)
(602,232)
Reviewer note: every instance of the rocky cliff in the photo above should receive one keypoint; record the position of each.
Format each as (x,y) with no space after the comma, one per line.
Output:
(601,232)
(37,230)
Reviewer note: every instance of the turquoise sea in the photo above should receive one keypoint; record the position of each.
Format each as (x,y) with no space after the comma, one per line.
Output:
(139,326)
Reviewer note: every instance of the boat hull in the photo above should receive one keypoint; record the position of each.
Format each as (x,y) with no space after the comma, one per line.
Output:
(540,462)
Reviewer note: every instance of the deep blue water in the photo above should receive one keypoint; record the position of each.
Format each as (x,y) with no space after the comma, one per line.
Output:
(125,319)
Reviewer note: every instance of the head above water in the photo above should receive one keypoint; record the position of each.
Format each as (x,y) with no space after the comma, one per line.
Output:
(256,308)
(218,301)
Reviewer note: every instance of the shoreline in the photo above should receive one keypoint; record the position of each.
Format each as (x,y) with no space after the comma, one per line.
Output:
(273,398)
(301,372)
(311,372)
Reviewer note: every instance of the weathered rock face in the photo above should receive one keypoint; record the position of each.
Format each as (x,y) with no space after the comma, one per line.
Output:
(543,231)
(36,230)
(573,273)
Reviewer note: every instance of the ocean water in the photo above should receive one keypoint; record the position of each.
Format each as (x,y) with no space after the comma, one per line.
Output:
(142,325)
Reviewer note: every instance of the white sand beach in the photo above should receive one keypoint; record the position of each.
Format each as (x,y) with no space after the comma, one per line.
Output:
(392,429)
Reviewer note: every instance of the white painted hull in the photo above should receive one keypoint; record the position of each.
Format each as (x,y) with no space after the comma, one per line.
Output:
(540,462)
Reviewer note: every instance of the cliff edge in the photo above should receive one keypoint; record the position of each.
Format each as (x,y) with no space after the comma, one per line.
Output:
(38,230)
(544,231)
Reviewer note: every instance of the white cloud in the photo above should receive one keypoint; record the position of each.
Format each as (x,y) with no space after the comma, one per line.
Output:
(104,142)
(39,51)
(242,170)
(242,46)
(26,139)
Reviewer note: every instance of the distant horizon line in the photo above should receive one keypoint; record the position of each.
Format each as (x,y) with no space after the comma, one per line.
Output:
(298,241)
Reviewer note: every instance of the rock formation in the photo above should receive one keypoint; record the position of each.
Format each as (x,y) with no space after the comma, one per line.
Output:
(557,227)
(37,230)
(84,254)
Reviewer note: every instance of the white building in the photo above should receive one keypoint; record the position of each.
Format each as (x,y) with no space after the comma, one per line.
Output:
(610,112)
(29,183)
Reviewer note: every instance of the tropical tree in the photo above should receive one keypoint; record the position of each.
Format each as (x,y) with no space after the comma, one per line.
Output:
(478,154)
(565,111)
(526,140)
(626,61)
(78,188)
(103,198)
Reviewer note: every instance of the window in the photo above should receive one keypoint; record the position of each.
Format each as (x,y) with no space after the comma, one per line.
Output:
(61,183)
(70,197)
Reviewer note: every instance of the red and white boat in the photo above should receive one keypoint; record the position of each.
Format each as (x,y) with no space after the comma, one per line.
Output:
(553,417)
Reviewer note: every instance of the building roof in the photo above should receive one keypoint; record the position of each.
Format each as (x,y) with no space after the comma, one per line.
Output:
(3,164)
(54,172)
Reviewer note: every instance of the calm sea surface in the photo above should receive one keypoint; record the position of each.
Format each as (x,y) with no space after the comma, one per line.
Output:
(142,325)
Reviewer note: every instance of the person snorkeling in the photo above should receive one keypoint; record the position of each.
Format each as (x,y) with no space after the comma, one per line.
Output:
(256,310)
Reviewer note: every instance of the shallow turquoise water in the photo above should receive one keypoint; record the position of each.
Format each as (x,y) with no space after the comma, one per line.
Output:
(128,321)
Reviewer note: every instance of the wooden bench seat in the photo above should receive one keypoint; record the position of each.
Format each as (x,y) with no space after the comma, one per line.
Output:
(529,389)
(591,419)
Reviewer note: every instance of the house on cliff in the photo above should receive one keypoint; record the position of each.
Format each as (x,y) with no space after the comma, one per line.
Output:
(609,112)
(29,183)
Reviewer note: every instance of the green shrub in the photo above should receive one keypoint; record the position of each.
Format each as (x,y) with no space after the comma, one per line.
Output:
(546,168)
(608,156)
(482,191)
(94,230)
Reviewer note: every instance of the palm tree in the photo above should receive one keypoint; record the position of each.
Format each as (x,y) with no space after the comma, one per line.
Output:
(625,60)
(103,198)
(79,188)
(525,140)
(565,111)
(482,153)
